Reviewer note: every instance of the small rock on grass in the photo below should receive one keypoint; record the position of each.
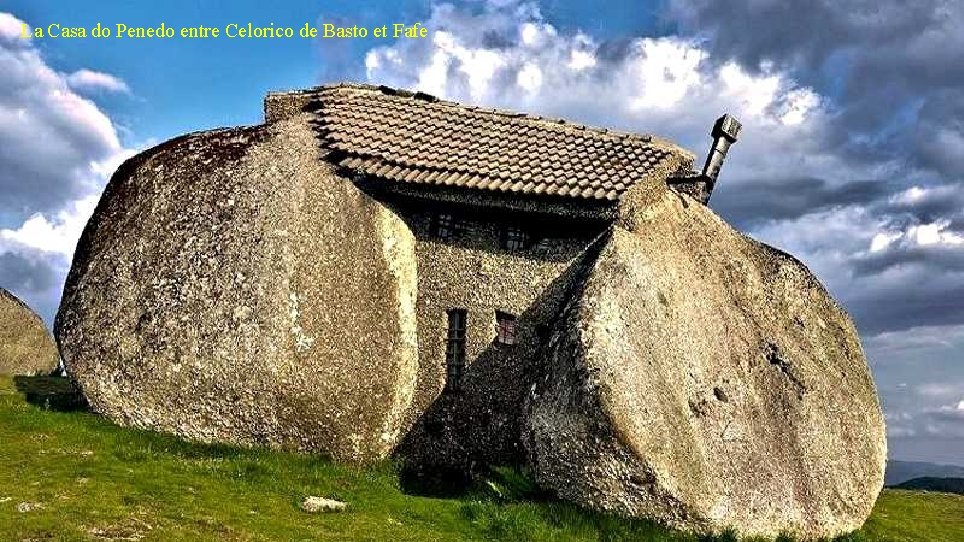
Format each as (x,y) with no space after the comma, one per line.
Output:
(314,505)
(25,507)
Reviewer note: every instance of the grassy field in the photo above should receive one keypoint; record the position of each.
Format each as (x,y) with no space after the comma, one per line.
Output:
(66,474)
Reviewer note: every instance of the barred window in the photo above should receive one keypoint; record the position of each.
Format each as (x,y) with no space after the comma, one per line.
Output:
(444,226)
(455,350)
(514,238)
(505,328)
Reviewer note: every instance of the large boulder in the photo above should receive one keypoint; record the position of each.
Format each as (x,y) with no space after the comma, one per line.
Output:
(232,287)
(26,347)
(708,381)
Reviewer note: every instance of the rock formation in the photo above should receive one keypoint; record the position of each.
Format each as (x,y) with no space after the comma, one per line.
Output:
(376,271)
(26,347)
(709,381)
(230,288)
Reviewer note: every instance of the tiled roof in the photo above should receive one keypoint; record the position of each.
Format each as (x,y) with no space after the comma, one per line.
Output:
(414,138)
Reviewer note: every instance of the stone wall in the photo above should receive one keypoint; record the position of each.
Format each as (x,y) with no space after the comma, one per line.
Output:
(481,424)
(285,104)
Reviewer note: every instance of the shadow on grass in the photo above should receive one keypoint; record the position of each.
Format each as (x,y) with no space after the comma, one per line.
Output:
(440,483)
(51,393)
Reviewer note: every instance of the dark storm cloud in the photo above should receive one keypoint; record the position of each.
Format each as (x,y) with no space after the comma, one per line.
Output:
(894,68)
(810,34)
(36,278)
(22,272)
(938,259)
(920,295)
(789,199)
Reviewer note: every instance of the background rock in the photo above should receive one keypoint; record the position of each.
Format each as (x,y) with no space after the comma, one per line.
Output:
(26,347)
(708,381)
(231,288)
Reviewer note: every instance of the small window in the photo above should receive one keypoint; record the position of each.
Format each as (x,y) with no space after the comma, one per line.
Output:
(455,350)
(514,238)
(445,226)
(505,328)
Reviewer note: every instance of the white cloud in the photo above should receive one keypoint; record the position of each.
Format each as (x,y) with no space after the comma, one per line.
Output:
(91,80)
(58,234)
(57,149)
(11,28)
(507,55)
(530,78)
(792,150)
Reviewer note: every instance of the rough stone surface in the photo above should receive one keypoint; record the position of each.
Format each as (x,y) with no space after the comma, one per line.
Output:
(231,288)
(258,286)
(26,347)
(481,424)
(708,381)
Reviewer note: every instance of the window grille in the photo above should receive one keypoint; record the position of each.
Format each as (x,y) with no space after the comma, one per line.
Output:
(455,350)
(505,328)
(514,238)
(444,226)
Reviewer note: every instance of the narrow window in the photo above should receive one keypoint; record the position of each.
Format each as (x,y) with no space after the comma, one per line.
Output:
(514,238)
(455,350)
(444,226)
(504,328)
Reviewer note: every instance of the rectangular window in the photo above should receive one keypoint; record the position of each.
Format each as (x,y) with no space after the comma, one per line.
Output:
(455,350)
(504,328)
(514,238)
(444,226)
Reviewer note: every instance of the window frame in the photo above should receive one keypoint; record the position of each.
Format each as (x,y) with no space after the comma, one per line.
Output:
(514,237)
(506,328)
(445,226)
(455,343)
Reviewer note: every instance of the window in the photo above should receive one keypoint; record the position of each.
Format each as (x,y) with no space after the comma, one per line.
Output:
(444,226)
(455,350)
(514,238)
(504,328)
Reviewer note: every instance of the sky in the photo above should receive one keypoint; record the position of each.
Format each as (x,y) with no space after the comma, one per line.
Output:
(851,155)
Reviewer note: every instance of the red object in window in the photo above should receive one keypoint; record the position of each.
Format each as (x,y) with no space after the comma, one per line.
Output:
(505,328)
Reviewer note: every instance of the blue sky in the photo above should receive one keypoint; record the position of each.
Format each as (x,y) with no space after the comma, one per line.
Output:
(184,85)
(851,155)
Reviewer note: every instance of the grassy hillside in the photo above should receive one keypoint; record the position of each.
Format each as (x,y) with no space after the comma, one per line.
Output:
(68,475)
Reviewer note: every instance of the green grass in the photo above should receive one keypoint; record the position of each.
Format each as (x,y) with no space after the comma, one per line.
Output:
(66,474)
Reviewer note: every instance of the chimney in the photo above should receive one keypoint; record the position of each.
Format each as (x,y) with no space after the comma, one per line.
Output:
(724,134)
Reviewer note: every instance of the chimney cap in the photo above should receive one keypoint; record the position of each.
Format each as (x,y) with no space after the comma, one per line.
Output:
(727,126)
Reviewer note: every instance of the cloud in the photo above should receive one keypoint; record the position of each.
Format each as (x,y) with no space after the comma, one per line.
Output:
(11,28)
(849,157)
(507,55)
(56,150)
(57,235)
(37,105)
(90,80)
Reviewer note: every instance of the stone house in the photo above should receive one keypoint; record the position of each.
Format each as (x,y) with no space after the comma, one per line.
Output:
(375,272)
(505,208)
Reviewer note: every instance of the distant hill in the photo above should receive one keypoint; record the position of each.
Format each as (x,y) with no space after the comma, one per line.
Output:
(944,485)
(899,472)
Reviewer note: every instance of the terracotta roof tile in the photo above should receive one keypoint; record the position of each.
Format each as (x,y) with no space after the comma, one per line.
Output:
(403,137)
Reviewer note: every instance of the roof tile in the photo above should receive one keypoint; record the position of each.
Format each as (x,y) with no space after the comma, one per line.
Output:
(400,138)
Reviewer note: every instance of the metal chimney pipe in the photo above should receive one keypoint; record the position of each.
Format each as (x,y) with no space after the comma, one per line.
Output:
(724,134)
